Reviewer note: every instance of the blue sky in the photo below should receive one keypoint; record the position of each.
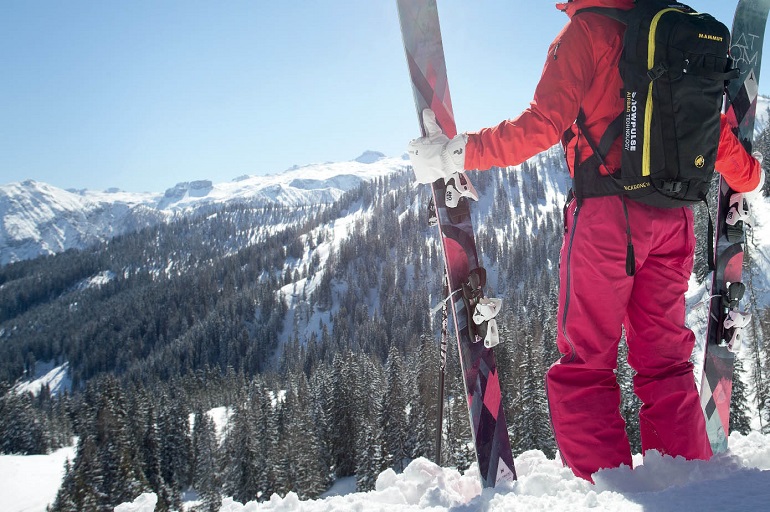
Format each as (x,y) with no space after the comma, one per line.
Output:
(143,94)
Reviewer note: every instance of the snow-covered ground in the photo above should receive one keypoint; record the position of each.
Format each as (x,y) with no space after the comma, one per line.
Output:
(47,373)
(30,483)
(739,480)
(735,481)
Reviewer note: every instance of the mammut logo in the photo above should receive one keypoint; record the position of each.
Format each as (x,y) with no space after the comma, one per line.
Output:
(700,161)
(457,151)
(711,37)
(636,186)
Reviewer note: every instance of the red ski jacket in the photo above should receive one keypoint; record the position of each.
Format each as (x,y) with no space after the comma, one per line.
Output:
(581,70)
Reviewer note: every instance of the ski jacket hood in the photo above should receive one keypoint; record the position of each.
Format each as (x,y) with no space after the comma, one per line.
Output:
(575,5)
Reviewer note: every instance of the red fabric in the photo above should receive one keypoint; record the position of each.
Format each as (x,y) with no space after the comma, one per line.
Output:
(740,170)
(582,70)
(596,298)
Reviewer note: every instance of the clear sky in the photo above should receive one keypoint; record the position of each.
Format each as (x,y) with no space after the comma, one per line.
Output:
(143,94)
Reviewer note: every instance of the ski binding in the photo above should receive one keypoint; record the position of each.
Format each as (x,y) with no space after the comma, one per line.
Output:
(734,324)
(481,310)
(484,317)
(458,185)
(734,320)
(738,216)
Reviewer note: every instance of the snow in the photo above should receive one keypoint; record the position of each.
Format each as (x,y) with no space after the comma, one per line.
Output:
(310,184)
(732,481)
(97,281)
(47,373)
(37,218)
(738,480)
(29,483)
(220,416)
(144,503)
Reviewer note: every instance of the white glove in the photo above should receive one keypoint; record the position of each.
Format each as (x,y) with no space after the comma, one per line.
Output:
(435,155)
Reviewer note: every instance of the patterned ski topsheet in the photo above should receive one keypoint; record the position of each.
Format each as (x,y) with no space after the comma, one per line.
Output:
(427,68)
(717,379)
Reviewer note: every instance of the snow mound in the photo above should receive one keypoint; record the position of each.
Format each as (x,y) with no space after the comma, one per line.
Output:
(737,480)
(144,503)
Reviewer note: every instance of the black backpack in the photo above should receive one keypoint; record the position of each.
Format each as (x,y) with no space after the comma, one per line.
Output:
(675,66)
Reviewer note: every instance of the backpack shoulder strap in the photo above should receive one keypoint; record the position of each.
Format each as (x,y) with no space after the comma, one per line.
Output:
(613,131)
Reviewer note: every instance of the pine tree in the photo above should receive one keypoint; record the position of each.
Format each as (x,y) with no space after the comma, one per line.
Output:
(175,446)
(107,469)
(241,456)
(320,390)
(80,489)
(119,459)
(370,457)
(532,420)
(341,414)
(458,447)
(264,412)
(21,425)
(422,386)
(740,420)
(150,457)
(393,420)
(205,478)
(306,477)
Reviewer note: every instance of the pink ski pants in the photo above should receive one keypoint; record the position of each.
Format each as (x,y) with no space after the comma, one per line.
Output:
(596,298)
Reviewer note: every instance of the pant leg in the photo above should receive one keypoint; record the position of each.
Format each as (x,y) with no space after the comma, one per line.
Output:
(660,344)
(583,393)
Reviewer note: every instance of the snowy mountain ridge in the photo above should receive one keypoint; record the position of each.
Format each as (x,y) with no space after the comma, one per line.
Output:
(39,219)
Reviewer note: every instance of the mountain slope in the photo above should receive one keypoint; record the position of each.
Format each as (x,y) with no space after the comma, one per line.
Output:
(39,219)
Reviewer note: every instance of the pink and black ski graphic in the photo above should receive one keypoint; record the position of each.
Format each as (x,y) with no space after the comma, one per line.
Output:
(727,288)
(427,69)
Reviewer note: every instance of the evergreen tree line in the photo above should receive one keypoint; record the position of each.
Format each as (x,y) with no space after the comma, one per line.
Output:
(32,424)
(221,267)
(355,417)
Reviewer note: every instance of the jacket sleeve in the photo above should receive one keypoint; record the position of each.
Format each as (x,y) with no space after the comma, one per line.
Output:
(740,170)
(566,76)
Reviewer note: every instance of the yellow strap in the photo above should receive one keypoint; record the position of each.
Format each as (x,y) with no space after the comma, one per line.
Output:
(648,108)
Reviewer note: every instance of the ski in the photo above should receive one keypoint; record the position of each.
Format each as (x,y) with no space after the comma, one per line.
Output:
(476,330)
(725,319)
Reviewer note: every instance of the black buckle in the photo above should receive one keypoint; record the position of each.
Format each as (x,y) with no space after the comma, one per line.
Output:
(656,72)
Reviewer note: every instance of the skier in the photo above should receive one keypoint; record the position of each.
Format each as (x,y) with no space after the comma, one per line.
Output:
(597,296)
